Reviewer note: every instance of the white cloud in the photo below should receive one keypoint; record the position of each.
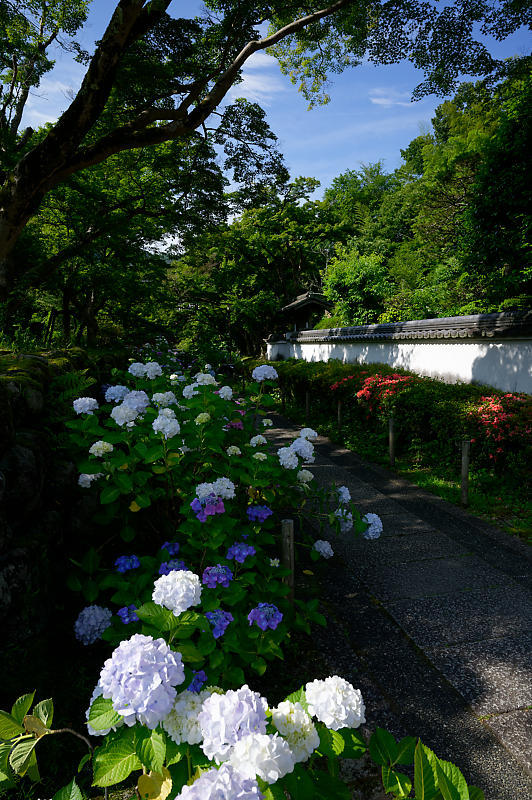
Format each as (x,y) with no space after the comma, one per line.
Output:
(47,101)
(257,87)
(389,97)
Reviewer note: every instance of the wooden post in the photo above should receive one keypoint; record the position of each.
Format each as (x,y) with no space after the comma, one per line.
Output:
(307,406)
(391,439)
(287,528)
(339,411)
(464,499)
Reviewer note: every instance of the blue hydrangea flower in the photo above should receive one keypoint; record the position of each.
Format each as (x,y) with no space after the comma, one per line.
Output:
(207,507)
(218,574)
(196,684)
(258,513)
(127,614)
(125,563)
(239,551)
(91,623)
(172,548)
(174,565)
(265,615)
(219,620)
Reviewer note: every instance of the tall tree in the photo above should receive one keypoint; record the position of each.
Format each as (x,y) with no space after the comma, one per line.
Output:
(154,78)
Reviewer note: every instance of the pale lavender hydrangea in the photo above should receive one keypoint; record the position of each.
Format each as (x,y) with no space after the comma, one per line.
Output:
(177,591)
(344,495)
(225,393)
(304,449)
(85,479)
(124,415)
(287,458)
(140,678)
(267,756)
(115,394)
(374,529)
(164,399)
(227,718)
(137,369)
(204,379)
(92,621)
(166,423)
(308,433)
(189,391)
(222,784)
(264,373)
(85,405)
(323,547)
(137,400)
(153,370)
(345,519)
(223,487)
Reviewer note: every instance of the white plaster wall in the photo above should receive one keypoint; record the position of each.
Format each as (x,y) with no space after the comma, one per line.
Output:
(505,365)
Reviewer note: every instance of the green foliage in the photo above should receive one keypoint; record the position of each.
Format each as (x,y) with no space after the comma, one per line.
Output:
(357,285)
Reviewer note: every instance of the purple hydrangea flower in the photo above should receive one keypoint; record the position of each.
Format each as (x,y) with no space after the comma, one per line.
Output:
(140,677)
(207,507)
(266,615)
(225,782)
(172,548)
(196,684)
(258,513)
(125,563)
(218,574)
(240,551)
(219,620)
(91,623)
(174,565)
(127,614)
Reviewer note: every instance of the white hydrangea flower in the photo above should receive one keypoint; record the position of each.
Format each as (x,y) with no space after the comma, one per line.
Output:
(264,373)
(177,591)
(258,439)
(344,495)
(204,379)
(165,424)
(137,369)
(308,433)
(204,490)
(267,423)
(138,400)
(287,458)
(233,450)
(305,476)
(153,370)
(345,518)
(85,405)
(226,718)
(164,399)
(304,449)
(374,529)
(267,756)
(202,418)
(182,723)
(189,391)
(260,456)
(115,394)
(335,702)
(293,722)
(226,393)
(123,415)
(85,480)
(223,487)
(323,548)
(100,449)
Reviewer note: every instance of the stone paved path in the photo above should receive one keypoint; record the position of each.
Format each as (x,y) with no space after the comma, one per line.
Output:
(433,622)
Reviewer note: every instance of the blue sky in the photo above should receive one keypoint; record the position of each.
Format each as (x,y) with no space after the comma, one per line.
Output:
(370,116)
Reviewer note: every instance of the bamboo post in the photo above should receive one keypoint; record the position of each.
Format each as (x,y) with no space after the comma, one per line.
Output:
(339,413)
(464,499)
(307,406)
(391,439)
(287,528)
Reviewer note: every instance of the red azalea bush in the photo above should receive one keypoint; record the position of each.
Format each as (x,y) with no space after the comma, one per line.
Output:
(379,391)
(500,426)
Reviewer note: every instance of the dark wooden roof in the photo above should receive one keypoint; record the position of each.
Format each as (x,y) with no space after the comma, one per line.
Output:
(306,299)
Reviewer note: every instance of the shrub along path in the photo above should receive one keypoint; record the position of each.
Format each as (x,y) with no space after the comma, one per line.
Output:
(432,622)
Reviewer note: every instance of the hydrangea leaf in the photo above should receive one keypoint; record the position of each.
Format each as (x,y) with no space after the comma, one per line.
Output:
(160,618)
(69,792)
(35,725)
(383,747)
(445,786)
(424,773)
(102,714)
(155,786)
(455,777)
(9,727)
(331,742)
(396,782)
(115,761)
(405,750)
(151,749)
(475,793)
(19,758)
(45,711)
(22,706)
(109,495)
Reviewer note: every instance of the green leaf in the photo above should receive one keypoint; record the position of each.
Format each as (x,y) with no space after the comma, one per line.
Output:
(259,665)
(355,744)
(299,784)
(22,706)
(298,697)
(396,782)
(383,747)
(151,749)
(90,561)
(331,742)
(69,792)
(109,495)
(115,761)
(476,794)
(445,786)
(161,618)
(20,756)
(153,454)
(102,714)
(127,533)
(45,711)
(424,773)
(174,752)
(9,727)
(190,653)
(90,590)
(73,582)
(35,726)
(455,778)
(405,750)
(86,758)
